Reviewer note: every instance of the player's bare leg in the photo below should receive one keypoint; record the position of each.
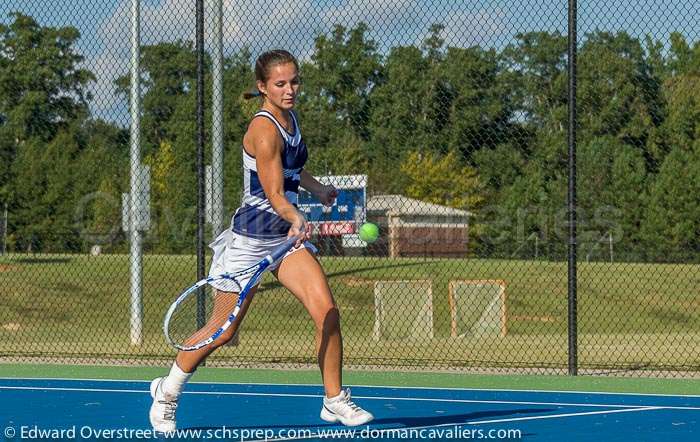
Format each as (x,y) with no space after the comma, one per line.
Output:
(302,274)
(166,391)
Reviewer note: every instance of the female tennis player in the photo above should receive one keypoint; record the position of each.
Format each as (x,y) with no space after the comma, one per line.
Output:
(273,159)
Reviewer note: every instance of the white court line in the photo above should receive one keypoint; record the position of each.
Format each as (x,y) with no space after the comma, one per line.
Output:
(95,390)
(552,416)
(516,390)
(466,401)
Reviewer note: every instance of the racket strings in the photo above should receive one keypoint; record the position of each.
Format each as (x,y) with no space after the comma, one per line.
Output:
(200,312)
(200,315)
(223,305)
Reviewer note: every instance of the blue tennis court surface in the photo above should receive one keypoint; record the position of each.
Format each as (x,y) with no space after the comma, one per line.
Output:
(97,410)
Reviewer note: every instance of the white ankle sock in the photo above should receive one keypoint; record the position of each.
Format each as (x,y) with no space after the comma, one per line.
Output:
(174,383)
(334,398)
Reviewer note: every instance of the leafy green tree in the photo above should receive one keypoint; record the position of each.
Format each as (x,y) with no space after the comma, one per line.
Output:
(478,99)
(27,187)
(442,179)
(345,154)
(436,99)
(344,68)
(7,157)
(536,67)
(100,179)
(43,102)
(499,167)
(682,125)
(58,200)
(164,193)
(469,127)
(612,193)
(336,101)
(401,118)
(525,173)
(238,78)
(672,219)
(102,213)
(410,108)
(168,75)
(683,59)
(528,206)
(41,85)
(619,92)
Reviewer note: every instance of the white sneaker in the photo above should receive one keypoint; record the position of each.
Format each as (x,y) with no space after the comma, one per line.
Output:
(342,409)
(162,414)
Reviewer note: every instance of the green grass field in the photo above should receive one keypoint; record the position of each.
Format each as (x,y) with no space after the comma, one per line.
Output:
(629,315)
(362,377)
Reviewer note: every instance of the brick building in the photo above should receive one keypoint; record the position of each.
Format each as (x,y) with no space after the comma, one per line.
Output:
(410,227)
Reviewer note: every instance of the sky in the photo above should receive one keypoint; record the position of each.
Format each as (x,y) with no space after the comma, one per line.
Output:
(293,24)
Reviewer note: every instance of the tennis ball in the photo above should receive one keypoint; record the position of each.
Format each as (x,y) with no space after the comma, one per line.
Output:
(369,232)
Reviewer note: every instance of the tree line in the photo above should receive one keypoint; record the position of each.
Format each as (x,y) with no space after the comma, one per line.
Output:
(475,128)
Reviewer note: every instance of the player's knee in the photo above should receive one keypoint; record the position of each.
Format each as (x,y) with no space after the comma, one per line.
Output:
(330,323)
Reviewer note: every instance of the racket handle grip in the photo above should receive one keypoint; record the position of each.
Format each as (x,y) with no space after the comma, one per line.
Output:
(283,248)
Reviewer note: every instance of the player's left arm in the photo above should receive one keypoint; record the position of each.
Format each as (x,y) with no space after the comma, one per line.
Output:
(325,193)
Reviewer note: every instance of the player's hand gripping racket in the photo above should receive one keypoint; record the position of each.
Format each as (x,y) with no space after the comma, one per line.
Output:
(201,313)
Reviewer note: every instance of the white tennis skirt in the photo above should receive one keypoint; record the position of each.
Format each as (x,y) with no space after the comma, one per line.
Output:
(234,252)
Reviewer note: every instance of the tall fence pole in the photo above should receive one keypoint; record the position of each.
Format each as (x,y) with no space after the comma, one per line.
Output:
(3,237)
(200,154)
(217,131)
(135,258)
(573,341)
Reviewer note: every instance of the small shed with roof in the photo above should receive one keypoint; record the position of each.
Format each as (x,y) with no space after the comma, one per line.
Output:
(411,227)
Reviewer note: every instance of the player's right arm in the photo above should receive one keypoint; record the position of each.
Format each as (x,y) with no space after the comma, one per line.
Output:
(263,142)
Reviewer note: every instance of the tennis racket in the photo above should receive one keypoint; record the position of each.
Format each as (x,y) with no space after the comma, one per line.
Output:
(201,314)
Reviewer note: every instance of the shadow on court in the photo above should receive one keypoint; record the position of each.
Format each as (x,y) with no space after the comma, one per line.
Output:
(411,421)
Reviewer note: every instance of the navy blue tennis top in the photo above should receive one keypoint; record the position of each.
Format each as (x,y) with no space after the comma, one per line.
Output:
(256,218)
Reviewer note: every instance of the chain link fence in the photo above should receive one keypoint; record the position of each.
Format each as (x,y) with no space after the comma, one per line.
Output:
(443,122)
